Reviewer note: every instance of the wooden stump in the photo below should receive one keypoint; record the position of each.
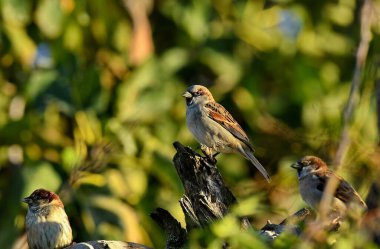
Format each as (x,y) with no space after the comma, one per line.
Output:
(207,199)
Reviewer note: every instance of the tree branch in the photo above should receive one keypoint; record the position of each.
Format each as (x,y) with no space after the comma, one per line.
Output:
(366,18)
(176,235)
(207,199)
(107,244)
(271,231)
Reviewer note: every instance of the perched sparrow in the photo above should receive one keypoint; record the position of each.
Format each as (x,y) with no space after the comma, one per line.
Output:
(47,225)
(313,175)
(215,128)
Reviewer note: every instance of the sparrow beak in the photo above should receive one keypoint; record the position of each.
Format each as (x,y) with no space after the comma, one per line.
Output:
(27,200)
(295,166)
(187,95)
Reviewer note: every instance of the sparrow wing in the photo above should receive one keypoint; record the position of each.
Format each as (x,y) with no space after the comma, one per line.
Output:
(344,192)
(220,115)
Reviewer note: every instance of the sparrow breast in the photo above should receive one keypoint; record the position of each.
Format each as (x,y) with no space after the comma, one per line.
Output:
(48,229)
(209,132)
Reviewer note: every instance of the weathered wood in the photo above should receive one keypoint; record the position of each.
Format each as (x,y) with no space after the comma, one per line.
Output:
(21,243)
(206,197)
(106,244)
(176,235)
(271,231)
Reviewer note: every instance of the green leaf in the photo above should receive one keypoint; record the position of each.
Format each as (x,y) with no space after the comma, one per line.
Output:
(49,17)
(16,12)
(39,81)
(40,175)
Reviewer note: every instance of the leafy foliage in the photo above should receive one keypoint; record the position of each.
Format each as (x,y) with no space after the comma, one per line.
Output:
(77,76)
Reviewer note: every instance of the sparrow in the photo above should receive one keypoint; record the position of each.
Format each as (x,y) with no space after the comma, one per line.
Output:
(215,128)
(313,175)
(47,225)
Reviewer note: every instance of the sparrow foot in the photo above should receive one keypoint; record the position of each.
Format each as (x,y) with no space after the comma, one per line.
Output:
(211,159)
(208,154)
(335,224)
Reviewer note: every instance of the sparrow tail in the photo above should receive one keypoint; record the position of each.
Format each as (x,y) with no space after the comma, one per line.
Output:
(257,164)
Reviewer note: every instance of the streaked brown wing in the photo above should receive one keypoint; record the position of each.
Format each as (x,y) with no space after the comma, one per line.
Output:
(220,115)
(344,192)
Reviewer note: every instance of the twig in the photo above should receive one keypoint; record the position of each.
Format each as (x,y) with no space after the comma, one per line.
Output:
(271,231)
(361,56)
(367,17)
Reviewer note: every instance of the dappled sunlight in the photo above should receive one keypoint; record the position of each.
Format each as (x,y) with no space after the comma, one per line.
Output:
(90,106)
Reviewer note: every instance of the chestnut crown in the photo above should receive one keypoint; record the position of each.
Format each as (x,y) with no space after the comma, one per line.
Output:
(312,161)
(42,196)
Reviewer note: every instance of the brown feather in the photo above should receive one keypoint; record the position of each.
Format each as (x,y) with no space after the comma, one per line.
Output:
(344,192)
(220,115)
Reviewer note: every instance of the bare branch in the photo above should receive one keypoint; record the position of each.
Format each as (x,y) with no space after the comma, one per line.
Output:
(206,197)
(107,244)
(366,18)
(272,231)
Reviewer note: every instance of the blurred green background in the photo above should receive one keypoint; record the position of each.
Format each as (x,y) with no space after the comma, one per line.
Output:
(90,104)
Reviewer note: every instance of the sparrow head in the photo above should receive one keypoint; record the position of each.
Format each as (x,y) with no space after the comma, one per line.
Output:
(41,197)
(309,164)
(197,94)
(46,223)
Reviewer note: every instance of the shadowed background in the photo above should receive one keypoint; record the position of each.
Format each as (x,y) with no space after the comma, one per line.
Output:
(90,104)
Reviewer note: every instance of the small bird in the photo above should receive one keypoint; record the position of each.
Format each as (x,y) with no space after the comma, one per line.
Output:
(313,175)
(47,225)
(215,128)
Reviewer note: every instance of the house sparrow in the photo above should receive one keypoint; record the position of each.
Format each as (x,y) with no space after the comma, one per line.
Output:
(214,127)
(313,175)
(47,225)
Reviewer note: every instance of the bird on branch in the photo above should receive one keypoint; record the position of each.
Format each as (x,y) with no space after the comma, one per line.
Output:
(215,128)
